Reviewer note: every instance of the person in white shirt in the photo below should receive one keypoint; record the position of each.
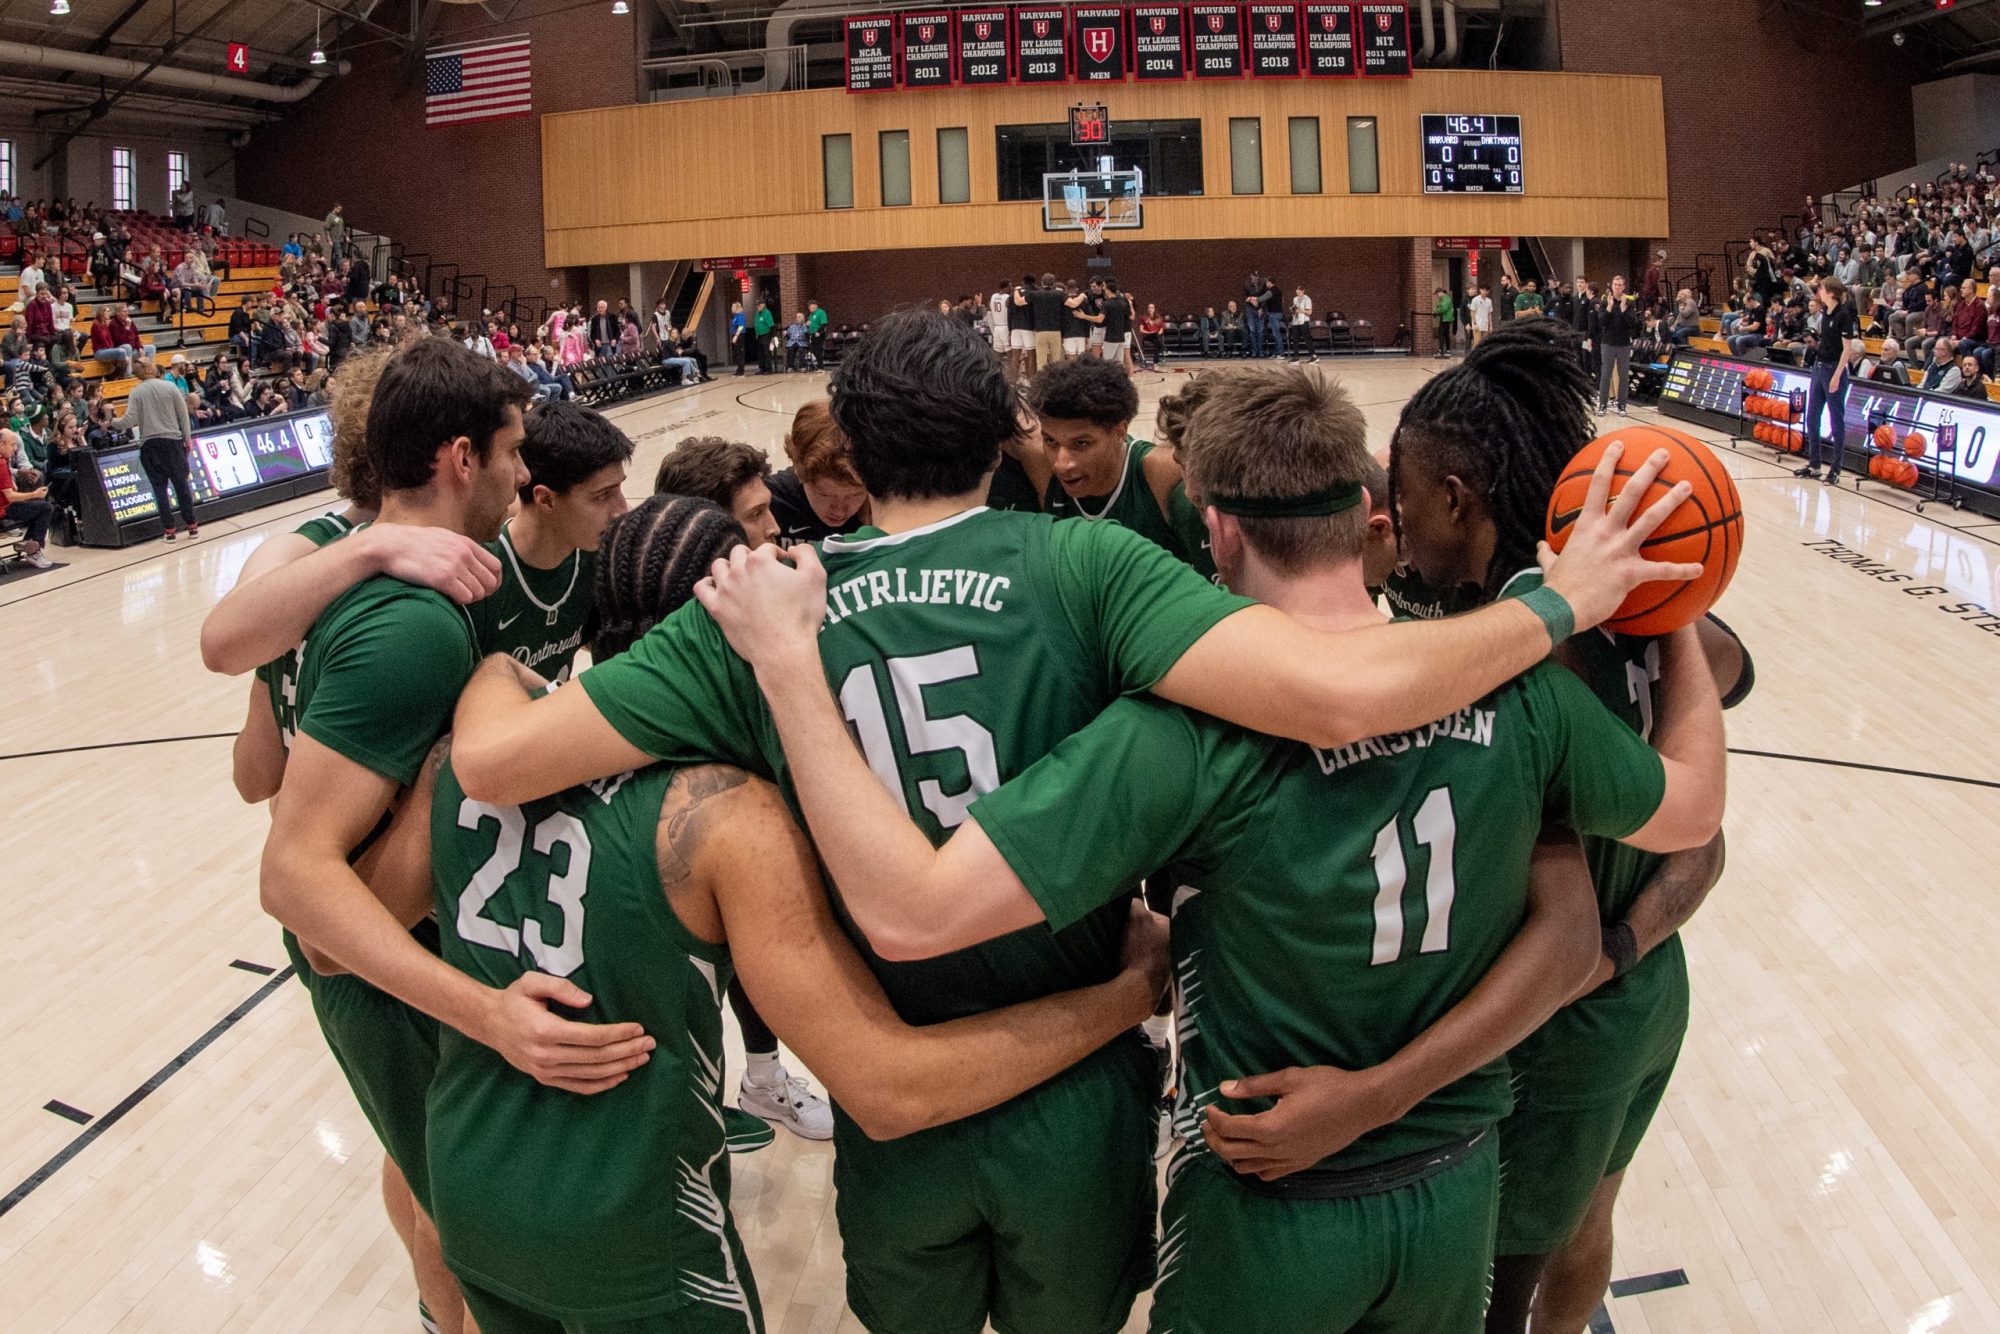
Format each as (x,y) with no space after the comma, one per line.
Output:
(1302,318)
(1482,316)
(996,318)
(32,277)
(218,218)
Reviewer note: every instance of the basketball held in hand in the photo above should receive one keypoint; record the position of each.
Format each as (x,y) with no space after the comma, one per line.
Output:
(1707,527)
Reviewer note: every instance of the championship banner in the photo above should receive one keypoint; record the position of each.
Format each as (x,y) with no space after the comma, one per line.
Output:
(1215,41)
(1041,46)
(982,46)
(1329,31)
(926,41)
(1157,48)
(1383,33)
(1274,40)
(1100,44)
(871,54)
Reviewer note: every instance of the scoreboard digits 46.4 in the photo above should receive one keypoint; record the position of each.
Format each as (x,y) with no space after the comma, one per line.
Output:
(1472,155)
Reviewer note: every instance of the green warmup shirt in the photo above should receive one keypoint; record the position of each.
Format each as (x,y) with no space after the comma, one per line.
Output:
(1330,904)
(1133,505)
(281,675)
(539,618)
(816,320)
(1012,488)
(961,653)
(765,323)
(603,1208)
(1444,310)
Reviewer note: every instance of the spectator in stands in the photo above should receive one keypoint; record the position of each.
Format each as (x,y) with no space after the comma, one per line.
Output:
(216,218)
(1209,329)
(1968,324)
(1939,319)
(630,339)
(729,473)
(335,227)
(1750,331)
(14,346)
(1941,367)
(1972,379)
(516,362)
(476,340)
(1686,322)
(603,331)
(114,340)
(23,507)
(180,205)
(1760,266)
(1907,310)
(1889,367)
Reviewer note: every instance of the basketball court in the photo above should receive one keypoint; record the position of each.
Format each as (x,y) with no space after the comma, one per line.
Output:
(181,1153)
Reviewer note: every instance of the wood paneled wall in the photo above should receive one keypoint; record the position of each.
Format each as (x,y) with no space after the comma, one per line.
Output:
(742,175)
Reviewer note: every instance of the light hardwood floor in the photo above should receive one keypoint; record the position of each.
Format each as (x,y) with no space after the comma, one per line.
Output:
(1828,1158)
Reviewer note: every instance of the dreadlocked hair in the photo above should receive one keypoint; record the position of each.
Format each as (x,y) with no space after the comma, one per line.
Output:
(1504,421)
(649,561)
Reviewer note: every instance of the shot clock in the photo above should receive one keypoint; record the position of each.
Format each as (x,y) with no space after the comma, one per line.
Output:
(1089,125)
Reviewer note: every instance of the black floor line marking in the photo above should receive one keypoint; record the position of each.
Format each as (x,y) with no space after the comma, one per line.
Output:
(116,745)
(1640,1284)
(1600,1321)
(40,1176)
(1871,768)
(67,1112)
(261,969)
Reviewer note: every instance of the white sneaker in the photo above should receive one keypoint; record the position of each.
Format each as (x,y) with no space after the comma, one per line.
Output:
(790,1104)
(39,561)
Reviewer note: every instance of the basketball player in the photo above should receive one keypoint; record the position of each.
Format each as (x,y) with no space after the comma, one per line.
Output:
(376,679)
(612,1213)
(819,495)
(1075,330)
(1589,1081)
(576,461)
(1364,1197)
(728,473)
(1021,329)
(1086,409)
(1000,634)
(734,476)
(999,311)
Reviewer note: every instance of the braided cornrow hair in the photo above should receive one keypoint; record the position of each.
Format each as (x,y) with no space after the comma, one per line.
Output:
(649,561)
(1504,421)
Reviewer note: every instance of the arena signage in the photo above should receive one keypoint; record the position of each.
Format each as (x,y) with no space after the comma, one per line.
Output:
(982,46)
(926,42)
(871,54)
(1033,44)
(1157,42)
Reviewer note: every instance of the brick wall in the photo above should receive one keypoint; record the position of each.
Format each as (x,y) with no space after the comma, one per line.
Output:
(467,194)
(1764,104)
(1360,278)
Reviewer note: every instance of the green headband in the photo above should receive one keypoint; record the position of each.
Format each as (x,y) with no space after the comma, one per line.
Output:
(1312,505)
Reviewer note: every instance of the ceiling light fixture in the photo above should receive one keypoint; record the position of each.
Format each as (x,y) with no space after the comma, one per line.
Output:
(620,7)
(319,52)
(58,7)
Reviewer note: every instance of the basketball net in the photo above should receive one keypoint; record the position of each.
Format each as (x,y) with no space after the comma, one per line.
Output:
(1093,231)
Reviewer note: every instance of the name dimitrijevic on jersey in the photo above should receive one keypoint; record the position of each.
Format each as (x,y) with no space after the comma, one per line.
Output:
(964,588)
(1468,724)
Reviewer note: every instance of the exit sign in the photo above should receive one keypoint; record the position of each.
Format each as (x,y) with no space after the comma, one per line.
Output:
(239,58)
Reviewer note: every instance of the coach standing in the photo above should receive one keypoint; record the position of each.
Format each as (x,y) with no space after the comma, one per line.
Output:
(1612,322)
(1839,343)
(157,413)
(1046,305)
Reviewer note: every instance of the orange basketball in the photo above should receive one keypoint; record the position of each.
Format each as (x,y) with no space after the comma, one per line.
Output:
(1875,463)
(1758,379)
(1885,437)
(1708,526)
(1913,445)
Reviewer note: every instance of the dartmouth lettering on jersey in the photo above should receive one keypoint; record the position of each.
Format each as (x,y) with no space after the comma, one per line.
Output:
(1471,724)
(878,588)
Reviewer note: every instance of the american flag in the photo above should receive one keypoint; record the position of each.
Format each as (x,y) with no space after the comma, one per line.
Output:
(475,81)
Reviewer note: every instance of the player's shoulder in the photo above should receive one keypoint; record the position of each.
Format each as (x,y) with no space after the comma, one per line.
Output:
(323,529)
(384,600)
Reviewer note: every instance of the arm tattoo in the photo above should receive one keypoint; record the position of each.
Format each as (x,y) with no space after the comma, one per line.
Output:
(683,819)
(1674,892)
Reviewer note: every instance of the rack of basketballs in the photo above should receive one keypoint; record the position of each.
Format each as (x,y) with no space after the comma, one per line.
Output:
(1773,415)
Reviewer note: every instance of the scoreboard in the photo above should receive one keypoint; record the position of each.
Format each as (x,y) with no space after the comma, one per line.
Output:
(235,467)
(1472,155)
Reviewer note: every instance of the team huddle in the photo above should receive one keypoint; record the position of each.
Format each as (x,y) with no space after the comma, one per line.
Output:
(899,745)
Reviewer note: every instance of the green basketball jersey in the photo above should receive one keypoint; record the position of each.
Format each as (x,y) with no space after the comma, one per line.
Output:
(961,653)
(1330,904)
(609,1207)
(281,675)
(1411,596)
(1133,505)
(537,617)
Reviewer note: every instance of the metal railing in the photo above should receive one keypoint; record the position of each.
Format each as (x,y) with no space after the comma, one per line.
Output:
(783,67)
